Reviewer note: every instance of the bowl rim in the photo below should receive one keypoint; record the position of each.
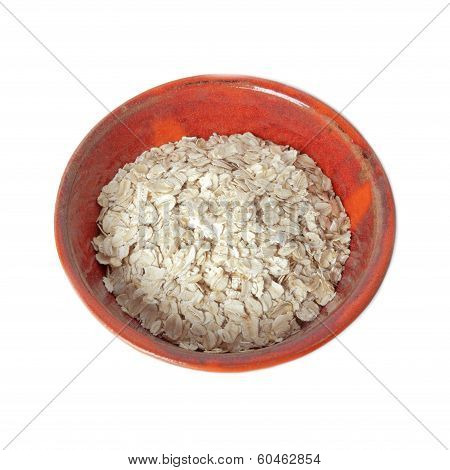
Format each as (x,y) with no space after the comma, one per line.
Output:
(287,350)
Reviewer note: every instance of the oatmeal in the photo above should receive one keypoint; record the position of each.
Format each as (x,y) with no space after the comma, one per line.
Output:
(222,245)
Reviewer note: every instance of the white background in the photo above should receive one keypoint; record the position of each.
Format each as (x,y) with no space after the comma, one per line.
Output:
(127,403)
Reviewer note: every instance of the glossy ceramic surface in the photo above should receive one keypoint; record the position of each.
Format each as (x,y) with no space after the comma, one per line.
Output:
(199,106)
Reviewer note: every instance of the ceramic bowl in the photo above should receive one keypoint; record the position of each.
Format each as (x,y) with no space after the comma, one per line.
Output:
(200,106)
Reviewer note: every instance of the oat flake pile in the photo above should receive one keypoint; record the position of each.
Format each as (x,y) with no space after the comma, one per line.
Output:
(222,244)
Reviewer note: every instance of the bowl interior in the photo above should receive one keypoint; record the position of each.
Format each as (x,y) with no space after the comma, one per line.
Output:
(200,106)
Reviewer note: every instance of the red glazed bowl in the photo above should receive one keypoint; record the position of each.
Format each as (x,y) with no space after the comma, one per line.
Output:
(200,106)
